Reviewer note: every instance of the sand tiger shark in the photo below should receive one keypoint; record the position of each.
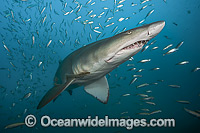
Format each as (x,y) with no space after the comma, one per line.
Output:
(89,65)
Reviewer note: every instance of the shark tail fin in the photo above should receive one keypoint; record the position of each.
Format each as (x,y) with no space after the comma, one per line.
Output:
(54,92)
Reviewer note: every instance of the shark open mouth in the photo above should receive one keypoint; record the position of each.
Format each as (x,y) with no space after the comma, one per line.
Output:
(137,44)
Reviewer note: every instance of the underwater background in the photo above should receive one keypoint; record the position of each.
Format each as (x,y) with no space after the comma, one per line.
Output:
(36,34)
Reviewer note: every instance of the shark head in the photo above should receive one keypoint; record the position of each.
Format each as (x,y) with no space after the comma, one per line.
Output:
(128,43)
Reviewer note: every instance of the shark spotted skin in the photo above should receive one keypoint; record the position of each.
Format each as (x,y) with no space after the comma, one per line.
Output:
(89,65)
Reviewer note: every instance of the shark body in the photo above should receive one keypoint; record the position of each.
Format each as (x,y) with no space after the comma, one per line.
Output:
(88,65)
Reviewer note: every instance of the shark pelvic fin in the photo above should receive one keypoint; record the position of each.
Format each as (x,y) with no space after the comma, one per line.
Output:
(54,92)
(99,89)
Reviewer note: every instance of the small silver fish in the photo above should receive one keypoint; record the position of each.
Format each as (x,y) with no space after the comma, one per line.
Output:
(143,113)
(49,43)
(33,40)
(108,19)
(43,10)
(154,48)
(132,4)
(93,3)
(89,12)
(192,112)
(156,68)
(144,61)
(148,98)
(182,63)
(149,91)
(61,42)
(101,13)
(77,18)
(27,95)
(92,16)
(114,29)
(67,13)
(149,13)
(44,19)
(121,19)
(174,86)
(109,24)
(142,85)
(31,76)
(152,103)
(144,1)
(6,48)
(126,95)
(39,64)
(142,95)
(25,110)
(14,125)
(196,69)
(154,112)
(180,44)
(154,41)
(133,81)
(97,31)
(12,64)
(143,8)
(168,46)
(184,102)
(171,51)
(132,69)
(137,76)
(105,8)
(119,6)
(124,112)
(140,70)
(141,21)
(130,65)
(145,48)
(88,2)
(120,1)
(145,110)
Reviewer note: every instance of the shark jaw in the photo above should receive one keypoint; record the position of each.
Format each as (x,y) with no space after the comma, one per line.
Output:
(128,50)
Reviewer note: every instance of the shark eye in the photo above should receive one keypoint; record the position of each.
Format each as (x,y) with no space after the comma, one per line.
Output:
(128,32)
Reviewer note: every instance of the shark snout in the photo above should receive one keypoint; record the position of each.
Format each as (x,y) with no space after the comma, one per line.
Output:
(155,28)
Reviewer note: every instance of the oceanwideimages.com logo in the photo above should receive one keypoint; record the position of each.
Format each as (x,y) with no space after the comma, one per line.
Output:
(46,121)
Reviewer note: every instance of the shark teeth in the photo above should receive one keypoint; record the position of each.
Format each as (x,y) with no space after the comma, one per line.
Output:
(138,43)
(131,46)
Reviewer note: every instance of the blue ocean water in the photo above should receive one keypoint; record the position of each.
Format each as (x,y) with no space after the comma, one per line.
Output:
(29,67)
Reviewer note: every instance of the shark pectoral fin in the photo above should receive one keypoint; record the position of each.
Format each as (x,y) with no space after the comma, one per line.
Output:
(54,92)
(99,89)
